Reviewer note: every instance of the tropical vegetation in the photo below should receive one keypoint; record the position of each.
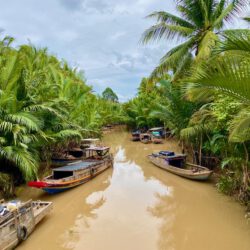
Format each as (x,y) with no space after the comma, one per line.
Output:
(44,105)
(200,90)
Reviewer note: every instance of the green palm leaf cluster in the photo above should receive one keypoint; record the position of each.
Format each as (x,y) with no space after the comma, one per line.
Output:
(174,111)
(138,110)
(227,72)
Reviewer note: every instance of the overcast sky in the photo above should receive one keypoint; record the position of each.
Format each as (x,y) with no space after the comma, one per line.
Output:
(100,37)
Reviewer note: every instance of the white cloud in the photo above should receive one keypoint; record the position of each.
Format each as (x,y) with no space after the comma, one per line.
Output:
(99,36)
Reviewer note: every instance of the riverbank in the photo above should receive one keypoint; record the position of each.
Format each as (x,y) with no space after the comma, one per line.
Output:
(136,205)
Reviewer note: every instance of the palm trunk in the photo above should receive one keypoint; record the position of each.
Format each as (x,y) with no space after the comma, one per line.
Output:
(200,150)
(245,178)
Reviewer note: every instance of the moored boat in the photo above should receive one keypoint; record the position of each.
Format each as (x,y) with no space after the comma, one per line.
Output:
(159,130)
(72,175)
(177,164)
(156,139)
(136,135)
(145,138)
(19,219)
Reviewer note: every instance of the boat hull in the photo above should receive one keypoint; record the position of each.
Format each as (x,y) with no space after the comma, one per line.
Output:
(135,139)
(201,175)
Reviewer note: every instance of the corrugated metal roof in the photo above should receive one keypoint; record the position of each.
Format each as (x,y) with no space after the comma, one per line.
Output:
(155,129)
(76,166)
(96,148)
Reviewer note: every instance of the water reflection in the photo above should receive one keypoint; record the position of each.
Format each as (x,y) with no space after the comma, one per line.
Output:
(193,215)
(124,216)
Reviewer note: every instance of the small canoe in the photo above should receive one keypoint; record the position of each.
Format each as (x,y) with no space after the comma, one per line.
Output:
(19,219)
(72,175)
(176,164)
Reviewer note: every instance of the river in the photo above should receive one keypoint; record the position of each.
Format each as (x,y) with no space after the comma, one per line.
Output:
(137,206)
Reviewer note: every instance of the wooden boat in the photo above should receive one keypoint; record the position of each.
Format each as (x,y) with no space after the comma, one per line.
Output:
(136,135)
(156,135)
(176,164)
(19,219)
(72,175)
(145,138)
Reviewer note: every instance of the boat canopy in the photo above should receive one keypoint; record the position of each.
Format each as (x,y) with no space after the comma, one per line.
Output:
(156,129)
(76,166)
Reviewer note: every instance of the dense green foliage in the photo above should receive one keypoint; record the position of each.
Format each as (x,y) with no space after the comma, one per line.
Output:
(200,90)
(43,104)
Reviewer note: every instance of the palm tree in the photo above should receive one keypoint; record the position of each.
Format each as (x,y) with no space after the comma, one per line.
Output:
(228,74)
(174,111)
(44,104)
(18,126)
(198,26)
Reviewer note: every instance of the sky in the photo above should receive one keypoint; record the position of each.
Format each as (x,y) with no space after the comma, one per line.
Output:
(100,37)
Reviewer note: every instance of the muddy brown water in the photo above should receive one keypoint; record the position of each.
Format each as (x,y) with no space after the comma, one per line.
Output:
(137,206)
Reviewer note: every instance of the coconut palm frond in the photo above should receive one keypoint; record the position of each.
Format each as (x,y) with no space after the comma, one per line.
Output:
(227,74)
(25,160)
(235,41)
(240,127)
(162,16)
(174,59)
(167,31)
(31,122)
(64,134)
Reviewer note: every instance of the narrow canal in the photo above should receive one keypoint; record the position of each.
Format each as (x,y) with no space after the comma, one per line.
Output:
(137,206)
